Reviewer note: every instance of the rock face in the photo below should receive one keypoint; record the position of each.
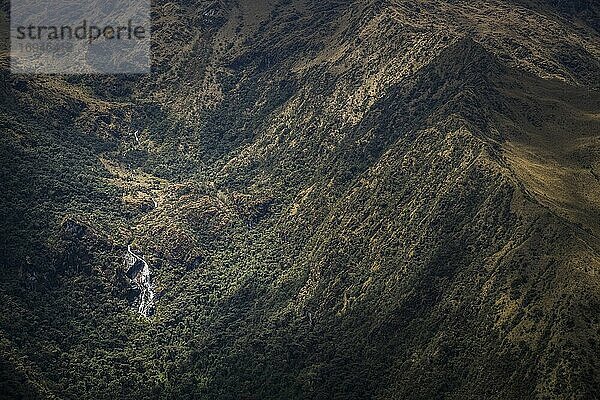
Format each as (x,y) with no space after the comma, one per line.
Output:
(138,272)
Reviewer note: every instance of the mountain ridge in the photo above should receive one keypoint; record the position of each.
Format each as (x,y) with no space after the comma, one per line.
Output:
(335,200)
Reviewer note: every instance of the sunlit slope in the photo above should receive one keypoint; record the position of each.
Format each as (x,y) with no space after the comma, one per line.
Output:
(553,146)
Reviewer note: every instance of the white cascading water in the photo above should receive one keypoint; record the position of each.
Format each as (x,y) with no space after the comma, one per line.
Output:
(142,281)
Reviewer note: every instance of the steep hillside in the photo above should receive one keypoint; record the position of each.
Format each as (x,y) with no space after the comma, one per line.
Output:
(366,199)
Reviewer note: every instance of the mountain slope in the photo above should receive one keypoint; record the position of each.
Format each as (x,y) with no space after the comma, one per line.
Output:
(335,199)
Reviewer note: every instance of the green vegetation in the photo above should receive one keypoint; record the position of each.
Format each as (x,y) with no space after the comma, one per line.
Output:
(337,200)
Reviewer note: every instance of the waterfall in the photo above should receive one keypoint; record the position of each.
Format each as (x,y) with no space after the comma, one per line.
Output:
(138,272)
